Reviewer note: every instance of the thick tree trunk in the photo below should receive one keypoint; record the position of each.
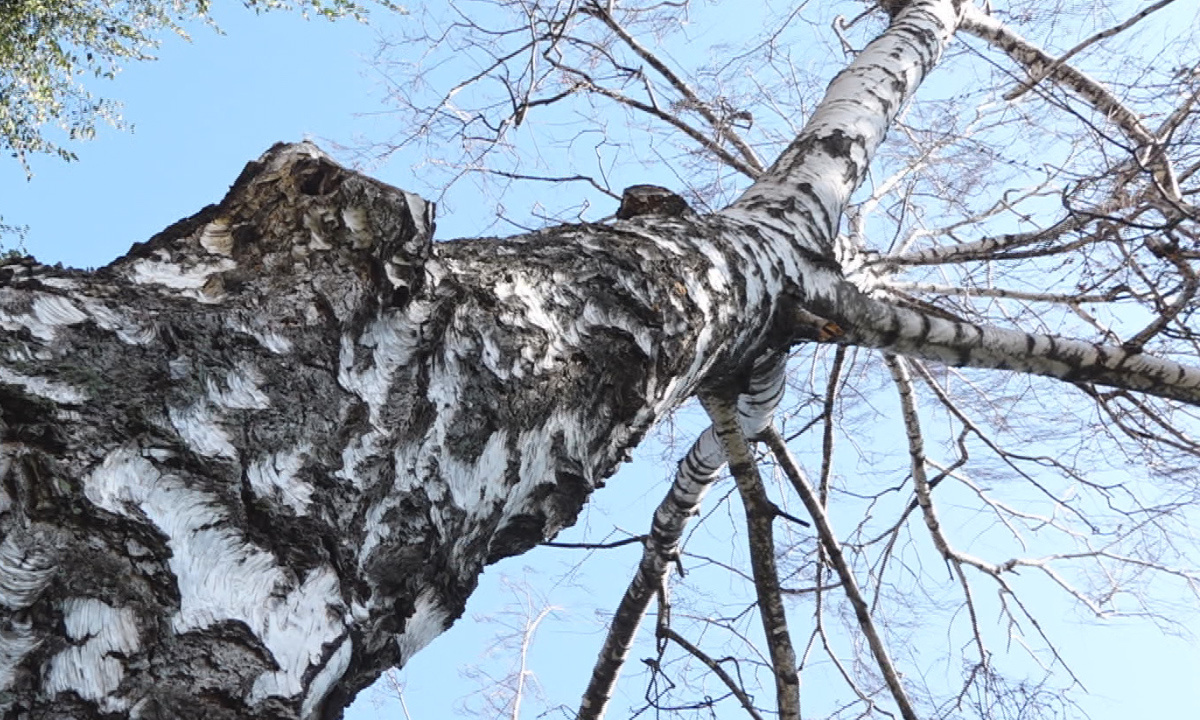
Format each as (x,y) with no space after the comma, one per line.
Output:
(266,455)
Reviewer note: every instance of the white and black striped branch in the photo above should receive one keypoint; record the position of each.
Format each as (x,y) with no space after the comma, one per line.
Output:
(811,182)
(1038,242)
(696,473)
(1039,64)
(868,322)
(1146,146)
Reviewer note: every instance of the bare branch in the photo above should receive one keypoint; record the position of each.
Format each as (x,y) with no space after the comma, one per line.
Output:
(722,128)
(1102,35)
(715,666)
(849,584)
(696,473)
(760,515)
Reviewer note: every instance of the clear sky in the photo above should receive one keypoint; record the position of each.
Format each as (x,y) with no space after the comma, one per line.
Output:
(204,110)
(198,114)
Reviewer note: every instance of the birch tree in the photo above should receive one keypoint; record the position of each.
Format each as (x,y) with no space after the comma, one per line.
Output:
(265,456)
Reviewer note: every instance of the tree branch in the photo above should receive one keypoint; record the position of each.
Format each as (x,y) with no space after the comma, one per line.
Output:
(749,158)
(849,584)
(696,473)
(715,667)
(760,517)
(873,323)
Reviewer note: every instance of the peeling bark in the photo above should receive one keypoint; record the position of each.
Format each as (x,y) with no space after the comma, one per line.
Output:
(280,440)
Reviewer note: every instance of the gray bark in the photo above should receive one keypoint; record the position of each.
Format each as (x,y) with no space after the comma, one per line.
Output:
(265,455)
(271,450)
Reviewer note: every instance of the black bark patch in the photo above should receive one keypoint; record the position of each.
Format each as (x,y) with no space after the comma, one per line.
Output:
(836,143)
(520,534)
(245,237)
(317,176)
(399,570)
(42,489)
(29,419)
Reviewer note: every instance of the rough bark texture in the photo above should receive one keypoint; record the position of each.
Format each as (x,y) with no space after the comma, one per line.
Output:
(265,456)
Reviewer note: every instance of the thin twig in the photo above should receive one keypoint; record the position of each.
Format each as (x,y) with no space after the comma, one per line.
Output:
(596,546)
(715,666)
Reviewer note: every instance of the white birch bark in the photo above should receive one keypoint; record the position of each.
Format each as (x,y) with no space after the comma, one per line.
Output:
(265,455)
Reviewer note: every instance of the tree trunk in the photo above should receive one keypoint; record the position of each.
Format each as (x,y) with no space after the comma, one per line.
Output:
(265,456)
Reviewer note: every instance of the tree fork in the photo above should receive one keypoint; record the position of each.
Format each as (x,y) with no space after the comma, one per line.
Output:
(296,430)
(696,473)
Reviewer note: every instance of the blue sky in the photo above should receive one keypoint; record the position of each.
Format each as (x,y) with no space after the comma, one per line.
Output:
(205,109)
(198,114)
